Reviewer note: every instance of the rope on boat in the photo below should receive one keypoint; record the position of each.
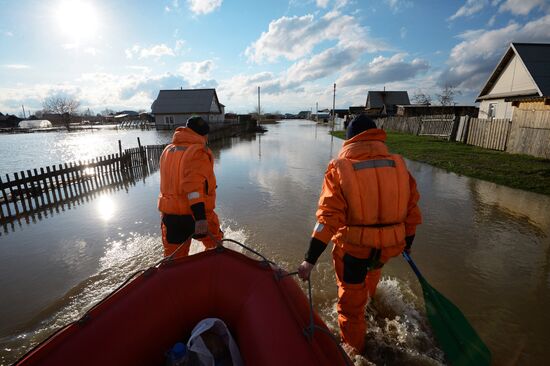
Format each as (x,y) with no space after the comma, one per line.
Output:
(310,330)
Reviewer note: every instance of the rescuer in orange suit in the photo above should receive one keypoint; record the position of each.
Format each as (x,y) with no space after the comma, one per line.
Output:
(188,190)
(368,208)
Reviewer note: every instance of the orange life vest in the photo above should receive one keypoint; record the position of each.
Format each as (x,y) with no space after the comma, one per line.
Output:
(368,197)
(186,174)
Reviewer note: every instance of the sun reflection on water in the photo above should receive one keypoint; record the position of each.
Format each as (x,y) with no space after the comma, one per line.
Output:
(106,207)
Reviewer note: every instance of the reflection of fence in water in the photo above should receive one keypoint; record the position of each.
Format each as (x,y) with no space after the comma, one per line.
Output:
(31,194)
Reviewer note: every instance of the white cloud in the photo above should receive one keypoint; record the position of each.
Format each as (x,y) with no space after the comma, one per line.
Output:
(174,5)
(91,51)
(398,5)
(472,60)
(319,66)
(136,90)
(470,8)
(156,51)
(522,7)
(179,45)
(7,33)
(203,6)
(322,3)
(295,37)
(16,66)
(142,69)
(384,70)
(240,87)
(196,71)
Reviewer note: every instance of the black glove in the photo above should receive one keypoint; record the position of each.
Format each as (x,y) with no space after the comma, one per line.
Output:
(316,248)
(409,242)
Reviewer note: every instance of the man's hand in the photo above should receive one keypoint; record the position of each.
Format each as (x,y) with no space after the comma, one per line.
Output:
(201,228)
(304,270)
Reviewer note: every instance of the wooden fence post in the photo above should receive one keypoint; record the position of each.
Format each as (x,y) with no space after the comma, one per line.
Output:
(454,130)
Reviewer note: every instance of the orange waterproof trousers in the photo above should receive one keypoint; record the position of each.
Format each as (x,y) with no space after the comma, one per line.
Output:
(352,299)
(207,241)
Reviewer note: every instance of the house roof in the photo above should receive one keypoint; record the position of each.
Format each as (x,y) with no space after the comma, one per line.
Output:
(184,101)
(536,59)
(378,99)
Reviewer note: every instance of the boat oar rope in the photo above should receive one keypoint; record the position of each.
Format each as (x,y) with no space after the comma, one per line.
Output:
(310,330)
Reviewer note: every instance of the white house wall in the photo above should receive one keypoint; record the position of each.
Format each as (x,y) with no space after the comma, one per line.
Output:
(502,109)
(514,78)
(181,119)
(214,106)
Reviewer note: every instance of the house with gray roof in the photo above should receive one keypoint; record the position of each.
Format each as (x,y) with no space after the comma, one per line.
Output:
(522,76)
(172,108)
(384,103)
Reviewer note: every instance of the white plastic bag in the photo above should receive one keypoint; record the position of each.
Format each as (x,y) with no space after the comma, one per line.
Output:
(197,345)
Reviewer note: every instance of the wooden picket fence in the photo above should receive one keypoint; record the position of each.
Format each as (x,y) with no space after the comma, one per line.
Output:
(489,133)
(38,190)
(439,126)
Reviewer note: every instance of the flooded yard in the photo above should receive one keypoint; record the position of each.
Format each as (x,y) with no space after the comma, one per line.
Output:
(486,247)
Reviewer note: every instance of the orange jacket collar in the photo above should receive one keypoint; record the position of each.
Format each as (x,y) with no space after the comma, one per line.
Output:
(184,135)
(373,134)
(366,144)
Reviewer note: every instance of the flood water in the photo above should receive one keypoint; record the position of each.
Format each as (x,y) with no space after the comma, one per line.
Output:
(486,247)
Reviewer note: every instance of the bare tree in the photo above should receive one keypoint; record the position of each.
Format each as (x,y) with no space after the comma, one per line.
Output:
(419,97)
(107,111)
(447,95)
(65,106)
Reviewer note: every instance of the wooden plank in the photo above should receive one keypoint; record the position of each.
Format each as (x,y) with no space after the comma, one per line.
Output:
(54,187)
(12,194)
(46,188)
(6,201)
(61,173)
(19,190)
(79,177)
(38,192)
(89,182)
(69,180)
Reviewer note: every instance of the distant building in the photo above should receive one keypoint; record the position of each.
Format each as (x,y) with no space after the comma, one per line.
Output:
(35,123)
(521,79)
(414,110)
(384,103)
(304,115)
(355,110)
(172,108)
(8,120)
(340,113)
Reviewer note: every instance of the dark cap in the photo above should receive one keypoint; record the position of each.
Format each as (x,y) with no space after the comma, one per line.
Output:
(359,124)
(198,125)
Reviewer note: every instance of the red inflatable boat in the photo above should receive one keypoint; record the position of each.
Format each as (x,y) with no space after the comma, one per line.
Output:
(266,313)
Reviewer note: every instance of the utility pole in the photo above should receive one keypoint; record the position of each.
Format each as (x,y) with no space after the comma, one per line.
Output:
(317,112)
(333,106)
(259,110)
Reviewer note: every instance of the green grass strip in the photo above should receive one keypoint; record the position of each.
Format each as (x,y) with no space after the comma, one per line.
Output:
(512,170)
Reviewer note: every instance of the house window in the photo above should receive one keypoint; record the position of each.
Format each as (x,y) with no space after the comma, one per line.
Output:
(169,120)
(492,111)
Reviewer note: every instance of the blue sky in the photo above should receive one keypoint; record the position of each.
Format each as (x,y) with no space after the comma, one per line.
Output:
(118,54)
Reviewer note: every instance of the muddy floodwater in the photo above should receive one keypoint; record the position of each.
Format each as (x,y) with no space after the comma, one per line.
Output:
(485,247)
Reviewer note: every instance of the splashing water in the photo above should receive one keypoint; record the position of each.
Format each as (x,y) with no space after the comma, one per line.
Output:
(397,332)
